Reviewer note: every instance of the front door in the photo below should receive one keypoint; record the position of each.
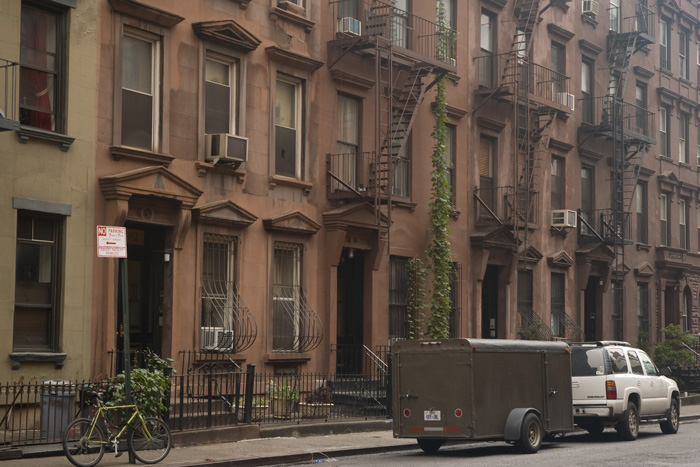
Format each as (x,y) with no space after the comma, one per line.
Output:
(350,311)
(145,262)
(489,303)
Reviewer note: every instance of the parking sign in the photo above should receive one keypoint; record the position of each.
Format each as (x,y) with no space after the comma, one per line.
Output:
(111,242)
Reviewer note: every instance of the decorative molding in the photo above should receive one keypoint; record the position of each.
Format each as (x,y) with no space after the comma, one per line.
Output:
(242,3)
(498,4)
(561,260)
(149,181)
(589,47)
(560,146)
(224,212)
(590,156)
(561,33)
(646,172)
(489,124)
(531,255)
(292,222)
(643,72)
(203,167)
(288,15)
(452,112)
(291,182)
(17,358)
(667,97)
(667,182)
(590,20)
(228,33)
(644,270)
(121,152)
(49,207)
(292,59)
(146,12)
(25,133)
(343,77)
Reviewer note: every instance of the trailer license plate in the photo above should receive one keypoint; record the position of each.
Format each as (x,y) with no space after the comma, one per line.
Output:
(431,415)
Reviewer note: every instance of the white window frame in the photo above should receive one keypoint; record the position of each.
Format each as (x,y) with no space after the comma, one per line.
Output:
(683,138)
(663,44)
(663,220)
(663,131)
(156,80)
(683,223)
(615,15)
(298,115)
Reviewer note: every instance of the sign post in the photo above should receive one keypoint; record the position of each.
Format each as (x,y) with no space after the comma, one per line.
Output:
(111,243)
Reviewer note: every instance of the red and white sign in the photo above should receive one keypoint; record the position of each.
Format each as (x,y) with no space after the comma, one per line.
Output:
(111,242)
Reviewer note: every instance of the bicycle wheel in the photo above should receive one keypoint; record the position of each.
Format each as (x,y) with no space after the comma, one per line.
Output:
(83,444)
(151,441)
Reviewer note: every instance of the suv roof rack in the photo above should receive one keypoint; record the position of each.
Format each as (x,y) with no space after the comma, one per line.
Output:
(603,343)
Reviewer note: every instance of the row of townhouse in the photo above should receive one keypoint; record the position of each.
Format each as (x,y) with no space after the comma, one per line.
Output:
(270,160)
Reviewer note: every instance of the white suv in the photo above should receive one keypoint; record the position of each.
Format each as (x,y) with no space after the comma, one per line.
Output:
(616,385)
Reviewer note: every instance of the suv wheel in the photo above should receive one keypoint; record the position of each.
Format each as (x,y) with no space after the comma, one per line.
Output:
(628,428)
(670,425)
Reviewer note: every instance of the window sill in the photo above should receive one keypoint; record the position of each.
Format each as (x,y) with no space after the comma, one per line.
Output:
(120,152)
(290,182)
(25,133)
(17,358)
(643,247)
(292,13)
(204,167)
(287,357)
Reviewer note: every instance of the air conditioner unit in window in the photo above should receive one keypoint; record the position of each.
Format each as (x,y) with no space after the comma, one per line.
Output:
(563,218)
(216,339)
(225,149)
(564,98)
(350,25)
(590,7)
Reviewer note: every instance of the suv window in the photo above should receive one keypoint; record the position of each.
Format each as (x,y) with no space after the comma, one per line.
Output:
(618,361)
(635,363)
(587,361)
(648,365)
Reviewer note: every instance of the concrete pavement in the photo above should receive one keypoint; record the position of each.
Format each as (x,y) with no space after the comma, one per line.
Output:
(283,444)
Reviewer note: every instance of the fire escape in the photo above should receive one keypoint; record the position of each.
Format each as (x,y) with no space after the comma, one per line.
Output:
(628,129)
(8,95)
(538,95)
(409,54)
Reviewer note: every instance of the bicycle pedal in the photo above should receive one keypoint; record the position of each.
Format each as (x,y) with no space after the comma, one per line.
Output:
(118,454)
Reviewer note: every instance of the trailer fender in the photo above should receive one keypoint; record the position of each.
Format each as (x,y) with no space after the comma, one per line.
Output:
(514,422)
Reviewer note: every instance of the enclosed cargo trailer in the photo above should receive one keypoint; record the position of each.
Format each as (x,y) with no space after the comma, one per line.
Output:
(481,389)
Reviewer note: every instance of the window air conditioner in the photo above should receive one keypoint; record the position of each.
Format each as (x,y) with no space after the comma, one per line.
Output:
(225,149)
(451,61)
(350,25)
(564,218)
(590,7)
(564,98)
(216,339)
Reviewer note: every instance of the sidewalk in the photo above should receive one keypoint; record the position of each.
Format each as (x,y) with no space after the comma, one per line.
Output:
(283,445)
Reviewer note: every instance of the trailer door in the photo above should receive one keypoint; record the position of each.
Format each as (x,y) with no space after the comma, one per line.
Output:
(433,393)
(558,392)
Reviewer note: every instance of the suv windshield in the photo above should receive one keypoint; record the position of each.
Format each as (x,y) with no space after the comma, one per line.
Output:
(587,361)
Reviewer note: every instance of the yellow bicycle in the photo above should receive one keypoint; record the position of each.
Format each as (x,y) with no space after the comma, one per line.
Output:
(86,439)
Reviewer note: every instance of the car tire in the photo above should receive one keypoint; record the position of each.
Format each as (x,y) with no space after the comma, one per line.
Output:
(531,434)
(628,428)
(430,446)
(670,425)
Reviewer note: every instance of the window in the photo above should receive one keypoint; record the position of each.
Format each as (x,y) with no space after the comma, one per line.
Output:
(37,282)
(664,45)
(635,364)
(288,127)
(450,158)
(615,15)
(557,195)
(683,51)
(486,184)
(617,317)
(399,277)
(648,364)
(450,13)
(455,298)
(683,139)
(42,76)
(587,199)
(697,47)
(486,67)
(287,296)
(683,221)
(663,132)
(587,91)
(642,213)
(663,220)
(686,307)
(526,310)
(558,57)
(402,172)
(698,216)
(558,310)
(642,115)
(220,90)
(400,24)
(643,311)
(348,142)
(697,144)
(140,89)
(218,289)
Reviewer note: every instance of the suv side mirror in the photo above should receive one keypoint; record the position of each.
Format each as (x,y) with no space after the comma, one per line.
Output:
(666,371)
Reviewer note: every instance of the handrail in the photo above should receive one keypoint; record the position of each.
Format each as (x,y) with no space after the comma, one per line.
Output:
(697,355)
(376,360)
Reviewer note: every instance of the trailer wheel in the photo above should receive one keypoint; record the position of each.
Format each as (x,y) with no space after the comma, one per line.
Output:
(430,445)
(531,434)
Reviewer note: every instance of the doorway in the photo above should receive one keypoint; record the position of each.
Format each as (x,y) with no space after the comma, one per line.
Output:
(350,312)
(489,303)
(145,269)
(589,308)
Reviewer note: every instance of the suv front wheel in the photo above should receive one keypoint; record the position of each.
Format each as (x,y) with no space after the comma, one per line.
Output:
(628,427)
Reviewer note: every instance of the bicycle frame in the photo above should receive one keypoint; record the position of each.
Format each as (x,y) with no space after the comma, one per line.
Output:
(101,414)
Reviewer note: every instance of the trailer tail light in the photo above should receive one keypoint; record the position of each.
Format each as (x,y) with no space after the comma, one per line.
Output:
(406,413)
(610,390)
(458,413)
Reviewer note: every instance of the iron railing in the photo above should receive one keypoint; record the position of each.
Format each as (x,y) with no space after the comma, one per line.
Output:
(297,326)
(401,28)
(603,225)
(506,205)
(8,95)
(630,120)
(362,175)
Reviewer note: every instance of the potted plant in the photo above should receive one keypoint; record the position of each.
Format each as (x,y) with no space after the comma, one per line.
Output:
(258,409)
(318,403)
(283,398)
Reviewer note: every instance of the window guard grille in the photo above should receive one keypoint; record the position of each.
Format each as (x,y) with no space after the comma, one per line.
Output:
(299,327)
